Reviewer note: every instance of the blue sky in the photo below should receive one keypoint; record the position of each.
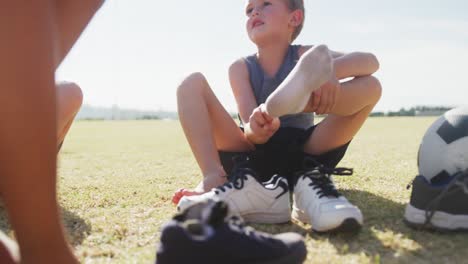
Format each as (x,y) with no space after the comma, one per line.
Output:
(135,53)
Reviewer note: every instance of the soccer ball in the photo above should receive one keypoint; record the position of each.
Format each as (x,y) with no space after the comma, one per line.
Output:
(444,147)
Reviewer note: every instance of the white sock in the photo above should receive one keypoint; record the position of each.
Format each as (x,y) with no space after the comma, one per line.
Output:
(313,70)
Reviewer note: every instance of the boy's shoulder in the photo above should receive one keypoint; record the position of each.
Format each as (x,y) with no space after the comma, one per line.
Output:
(239,66)
(240,62)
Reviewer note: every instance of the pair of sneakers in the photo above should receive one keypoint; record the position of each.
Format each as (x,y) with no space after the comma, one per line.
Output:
(441,206)
(316,200)
(204,233)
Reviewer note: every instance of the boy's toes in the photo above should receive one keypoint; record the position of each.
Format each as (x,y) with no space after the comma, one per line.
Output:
(175,199)
(177,195)
(184,192)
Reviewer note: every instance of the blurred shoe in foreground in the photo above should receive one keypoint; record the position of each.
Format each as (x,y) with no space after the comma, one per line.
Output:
(203,233)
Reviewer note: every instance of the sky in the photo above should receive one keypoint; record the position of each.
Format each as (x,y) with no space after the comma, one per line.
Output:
(135,53)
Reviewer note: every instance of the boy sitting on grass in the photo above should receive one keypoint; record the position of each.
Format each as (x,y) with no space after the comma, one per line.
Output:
(278,90)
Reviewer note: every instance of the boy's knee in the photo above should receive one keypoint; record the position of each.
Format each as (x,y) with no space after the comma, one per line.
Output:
(375,88)
(73,94)
(375,64)
(191,84)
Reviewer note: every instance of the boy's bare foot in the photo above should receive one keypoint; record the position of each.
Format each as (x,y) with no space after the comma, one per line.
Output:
(313,69)
(204,186)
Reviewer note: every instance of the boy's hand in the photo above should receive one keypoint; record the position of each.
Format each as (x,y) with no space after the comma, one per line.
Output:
(323,100)
(261,126)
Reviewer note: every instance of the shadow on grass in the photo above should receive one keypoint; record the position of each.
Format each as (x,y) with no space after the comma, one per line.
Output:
(77,228)
(385,237)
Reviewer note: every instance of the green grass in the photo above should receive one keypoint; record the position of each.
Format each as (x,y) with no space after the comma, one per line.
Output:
(116,180)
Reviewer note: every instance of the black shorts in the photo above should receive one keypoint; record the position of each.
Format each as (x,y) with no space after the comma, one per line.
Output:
(283,154)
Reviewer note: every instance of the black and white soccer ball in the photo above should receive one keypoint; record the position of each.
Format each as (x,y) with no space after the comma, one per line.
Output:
(444,148)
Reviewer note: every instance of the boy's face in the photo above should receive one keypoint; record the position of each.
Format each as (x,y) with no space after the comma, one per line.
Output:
(268,20)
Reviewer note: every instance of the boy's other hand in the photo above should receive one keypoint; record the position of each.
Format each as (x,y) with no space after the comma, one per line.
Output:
(262,126)
(323,100)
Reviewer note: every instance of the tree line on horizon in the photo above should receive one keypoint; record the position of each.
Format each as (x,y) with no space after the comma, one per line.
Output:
(415,111)
(88,112)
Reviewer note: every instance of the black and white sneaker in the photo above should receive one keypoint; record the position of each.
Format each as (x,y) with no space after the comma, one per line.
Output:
(318,203)
(203,233)
(257,202)
(441,207)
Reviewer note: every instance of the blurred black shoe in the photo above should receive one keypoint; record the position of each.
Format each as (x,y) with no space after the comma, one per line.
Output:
(203,234)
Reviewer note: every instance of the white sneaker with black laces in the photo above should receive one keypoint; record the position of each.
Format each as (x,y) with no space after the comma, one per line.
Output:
(256,202)
(318,203)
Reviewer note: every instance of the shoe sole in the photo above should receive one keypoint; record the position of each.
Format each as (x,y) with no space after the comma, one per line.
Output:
(348,225)
(416,218)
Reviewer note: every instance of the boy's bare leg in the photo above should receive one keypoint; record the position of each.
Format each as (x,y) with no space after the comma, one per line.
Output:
(28,130)
(69,100)
(313,69)
(357,99)
(208,128)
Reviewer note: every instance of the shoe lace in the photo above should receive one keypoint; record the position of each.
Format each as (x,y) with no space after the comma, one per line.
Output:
(236,182)
(460,181)
(320,177)
(238,176)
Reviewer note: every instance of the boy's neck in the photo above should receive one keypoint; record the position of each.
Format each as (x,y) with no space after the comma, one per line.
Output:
(271,57)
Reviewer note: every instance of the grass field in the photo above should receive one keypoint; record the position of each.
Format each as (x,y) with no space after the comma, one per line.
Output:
(116,180)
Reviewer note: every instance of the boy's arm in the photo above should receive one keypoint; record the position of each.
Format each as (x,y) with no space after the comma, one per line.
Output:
(355,64)
(242,90)
(352,64)
(258,128)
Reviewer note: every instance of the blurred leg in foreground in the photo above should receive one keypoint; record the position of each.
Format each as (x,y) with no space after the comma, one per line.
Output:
(36,36)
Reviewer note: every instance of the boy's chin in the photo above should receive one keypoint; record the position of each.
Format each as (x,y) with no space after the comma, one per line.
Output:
(258,39)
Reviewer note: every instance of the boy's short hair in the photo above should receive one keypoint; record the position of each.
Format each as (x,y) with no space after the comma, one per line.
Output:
(294,5)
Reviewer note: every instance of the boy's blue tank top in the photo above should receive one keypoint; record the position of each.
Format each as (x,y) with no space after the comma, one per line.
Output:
(263,85)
